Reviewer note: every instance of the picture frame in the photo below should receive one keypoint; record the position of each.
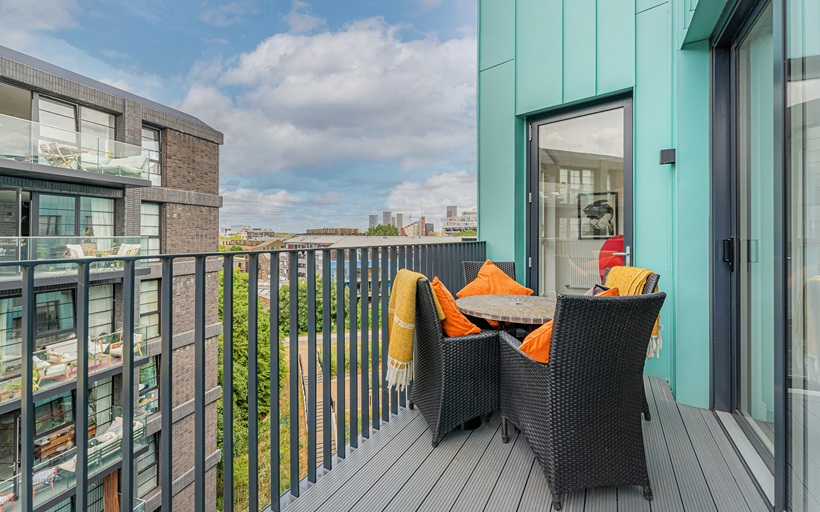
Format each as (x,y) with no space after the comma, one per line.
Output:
(598,215)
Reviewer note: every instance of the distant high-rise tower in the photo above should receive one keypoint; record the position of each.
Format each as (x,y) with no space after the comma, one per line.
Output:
(373,221)
(399,220)
(392,220)
(387,215)
(452,211)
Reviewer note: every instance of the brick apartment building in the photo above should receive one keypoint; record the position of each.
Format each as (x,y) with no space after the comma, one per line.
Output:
(87,169)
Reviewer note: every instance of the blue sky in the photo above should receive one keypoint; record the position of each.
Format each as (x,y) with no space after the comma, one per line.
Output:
(331,109)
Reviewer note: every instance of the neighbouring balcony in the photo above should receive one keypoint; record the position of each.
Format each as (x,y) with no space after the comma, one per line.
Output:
(307,422)
(61,250)
(29,143)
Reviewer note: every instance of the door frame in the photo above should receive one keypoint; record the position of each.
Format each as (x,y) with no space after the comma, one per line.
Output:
(724,296)
(562,114)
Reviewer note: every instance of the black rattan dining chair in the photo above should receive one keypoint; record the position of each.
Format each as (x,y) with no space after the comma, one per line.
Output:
(578,413)
(469,269)
(456,379)
(650,287)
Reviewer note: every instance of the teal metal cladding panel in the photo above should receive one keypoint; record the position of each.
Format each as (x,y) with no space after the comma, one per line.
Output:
(496,34)
(539,43)
(579,49)
(653,193)
(497,202)
(615,45)
(692,226)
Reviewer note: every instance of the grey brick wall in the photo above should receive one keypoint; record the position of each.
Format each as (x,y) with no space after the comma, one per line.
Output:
(189,163)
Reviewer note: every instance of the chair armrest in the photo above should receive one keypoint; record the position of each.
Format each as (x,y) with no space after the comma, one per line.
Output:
(509,340)
(472,338)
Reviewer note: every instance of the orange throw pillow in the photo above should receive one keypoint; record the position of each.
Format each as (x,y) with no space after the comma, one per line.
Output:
(491,280)
(454,323)
(612,292)
(537,343)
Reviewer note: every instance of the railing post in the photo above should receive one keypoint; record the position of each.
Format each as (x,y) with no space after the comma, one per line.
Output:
(128,478)
(353,295)
(275,463)
(310,406)
(366,269)
(81,415)
(253,381)
(341,343)
(402,263)
(375,381)
(29,328)
(293,319)
(387,261)
(166,318)
(327,377)
(199,383)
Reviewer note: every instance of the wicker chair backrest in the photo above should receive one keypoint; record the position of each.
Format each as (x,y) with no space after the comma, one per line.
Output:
(470,269)
(428,325)
(596,341)
(651,281)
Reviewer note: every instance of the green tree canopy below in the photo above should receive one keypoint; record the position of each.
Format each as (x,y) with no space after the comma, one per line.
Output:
(383,230)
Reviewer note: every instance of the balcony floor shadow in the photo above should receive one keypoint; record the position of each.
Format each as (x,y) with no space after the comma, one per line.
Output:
(692,466)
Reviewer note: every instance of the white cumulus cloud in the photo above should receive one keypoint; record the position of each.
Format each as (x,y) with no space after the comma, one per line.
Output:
(360,93)
(433,195)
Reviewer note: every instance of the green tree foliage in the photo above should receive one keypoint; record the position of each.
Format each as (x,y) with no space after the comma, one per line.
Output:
(467,232)
(236,248)
(383,230)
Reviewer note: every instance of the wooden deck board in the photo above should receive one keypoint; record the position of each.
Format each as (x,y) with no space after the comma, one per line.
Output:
(691,464)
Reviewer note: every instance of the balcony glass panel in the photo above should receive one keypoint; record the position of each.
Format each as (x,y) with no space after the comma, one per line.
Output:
(59,146)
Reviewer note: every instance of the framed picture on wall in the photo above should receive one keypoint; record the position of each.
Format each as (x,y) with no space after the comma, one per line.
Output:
(598,215)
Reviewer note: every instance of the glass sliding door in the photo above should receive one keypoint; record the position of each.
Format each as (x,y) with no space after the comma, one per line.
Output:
(582,199)
(803,255)
(755,230)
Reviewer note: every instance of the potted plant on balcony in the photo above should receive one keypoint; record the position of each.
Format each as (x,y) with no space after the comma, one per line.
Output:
(16,387)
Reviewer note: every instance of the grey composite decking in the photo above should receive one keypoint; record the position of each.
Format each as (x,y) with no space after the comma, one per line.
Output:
(692,466)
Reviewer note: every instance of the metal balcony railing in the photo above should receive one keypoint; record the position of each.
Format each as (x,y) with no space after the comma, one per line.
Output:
(339,411)
(34,143)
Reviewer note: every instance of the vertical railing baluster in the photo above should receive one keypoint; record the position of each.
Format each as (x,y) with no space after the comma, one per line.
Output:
(311,364)
(253,381)
(29,330)
(199,383)
(327,425)
(128,474)
(353,295)
(81,414)
(385,269)
(401,263)
(366,270)
(394,263)
(275,442)
(341,343)
(227,377)
(293,320)
(375,326)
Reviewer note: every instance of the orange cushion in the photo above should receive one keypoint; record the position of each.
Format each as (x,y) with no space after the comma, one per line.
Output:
(612,292)
(537,343)
(491,280)
(454,323)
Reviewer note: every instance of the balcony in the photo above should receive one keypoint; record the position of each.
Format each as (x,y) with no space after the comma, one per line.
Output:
(60,251)
(322,418)
(26,146)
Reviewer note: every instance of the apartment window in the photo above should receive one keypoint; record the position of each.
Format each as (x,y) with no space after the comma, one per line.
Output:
(101,404)
(55,317)
(149,225)
(151,149)
(97,124)
(58,121)
(147,476)
(149,307)
(149,392)
(100,309)
(75,216)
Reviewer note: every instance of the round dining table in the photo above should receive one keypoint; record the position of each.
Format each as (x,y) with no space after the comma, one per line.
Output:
(516,309)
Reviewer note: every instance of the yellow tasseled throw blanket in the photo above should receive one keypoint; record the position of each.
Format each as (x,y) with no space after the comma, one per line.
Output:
(631,281)
(401,327)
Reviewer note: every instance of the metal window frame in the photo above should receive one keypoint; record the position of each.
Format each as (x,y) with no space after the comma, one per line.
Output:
(564,113)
